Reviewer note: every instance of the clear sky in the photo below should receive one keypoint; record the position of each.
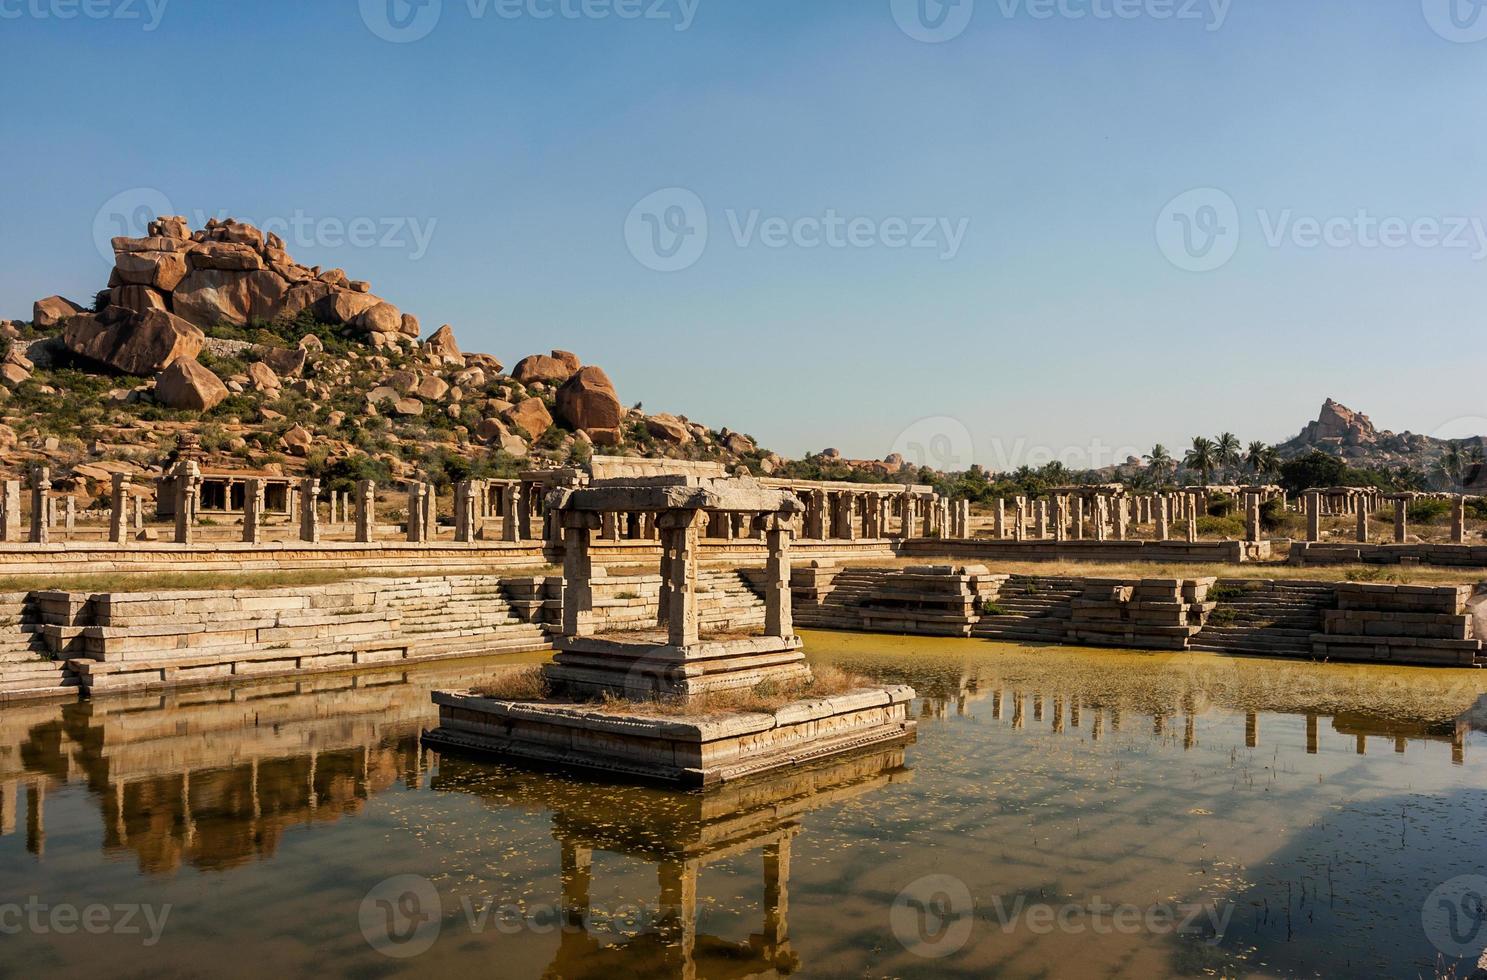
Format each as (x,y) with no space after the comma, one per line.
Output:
(962,226)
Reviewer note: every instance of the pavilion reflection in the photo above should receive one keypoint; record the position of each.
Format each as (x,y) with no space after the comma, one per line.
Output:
(680,834)
(213,779)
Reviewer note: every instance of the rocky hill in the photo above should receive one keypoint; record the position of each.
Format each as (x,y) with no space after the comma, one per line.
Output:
(1340,431)
(282,367)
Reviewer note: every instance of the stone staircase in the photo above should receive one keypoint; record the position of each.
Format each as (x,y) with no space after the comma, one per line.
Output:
(728,602)
(1265,618)
(1035,608)
(27,669)
(828,597)
(470,607)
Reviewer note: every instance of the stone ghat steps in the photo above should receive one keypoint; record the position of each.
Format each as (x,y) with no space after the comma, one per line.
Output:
(37,679)
(1270,618)
(1035,608)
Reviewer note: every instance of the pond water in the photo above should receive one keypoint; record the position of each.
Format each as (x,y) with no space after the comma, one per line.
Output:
(1063,813)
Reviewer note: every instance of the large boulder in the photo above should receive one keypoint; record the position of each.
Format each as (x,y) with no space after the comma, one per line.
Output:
(669,428)
(156,262)
(442,347)
(344,305)
(287,362)
(134,343)
(224,256)
(207,297)
(531,416)
(140,299)
(50,312)
(541,367)
(188,385)
(588,402)
(381,318)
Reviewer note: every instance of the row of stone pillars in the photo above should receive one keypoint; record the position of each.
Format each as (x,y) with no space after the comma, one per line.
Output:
(1319,504)
(846,515)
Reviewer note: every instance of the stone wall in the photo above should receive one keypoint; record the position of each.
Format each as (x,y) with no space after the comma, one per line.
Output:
(1350,553)
(1223,552)
(1400,624)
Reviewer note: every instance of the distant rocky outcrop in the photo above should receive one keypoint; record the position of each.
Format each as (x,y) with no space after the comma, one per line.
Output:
(1341,431)
(588,402)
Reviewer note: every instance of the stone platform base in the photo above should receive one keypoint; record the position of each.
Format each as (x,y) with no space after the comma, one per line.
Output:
(644,664)
(688,752)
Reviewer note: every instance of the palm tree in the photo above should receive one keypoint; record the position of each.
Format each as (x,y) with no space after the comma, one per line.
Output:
(1450,467)
(1262,459)
(1160,461)
(1203,457)
(1228,450)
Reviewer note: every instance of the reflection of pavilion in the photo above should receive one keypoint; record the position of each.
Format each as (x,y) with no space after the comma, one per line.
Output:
(681,834)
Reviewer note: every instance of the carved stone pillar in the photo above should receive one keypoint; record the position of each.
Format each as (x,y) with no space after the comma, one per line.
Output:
(309,510)
(253,494)
(41,486)
(679,539)
(578,572)
(118,509)
(366,511)
(778,618)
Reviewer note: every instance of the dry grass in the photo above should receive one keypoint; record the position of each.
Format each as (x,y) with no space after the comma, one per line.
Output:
(527,683)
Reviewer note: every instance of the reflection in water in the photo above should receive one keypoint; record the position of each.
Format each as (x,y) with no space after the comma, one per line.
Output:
(1321,802)
(680,834)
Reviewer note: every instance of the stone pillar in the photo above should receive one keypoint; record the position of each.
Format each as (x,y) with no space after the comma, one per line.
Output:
(1078,522)
(907,516)
(778,620)
(609,526)
(885,507)
(848,505)
(464,511)
(679,541)
(578,572)
(1192,519)
(927,517)
(69,511)
(1401,520)
(1458,520)
(430,513)
(511,505)
(139,512)
(118,509)
(1122,518)
(366,511)
(1313,516)
(309,510)
(1102,522)
(41,485)
(1019,526)
(1252,516)
(188,476)
(417,511)
(1364,509)
(1001,519)
(10,511)
(1164,517)
(1041,530)
(253,512)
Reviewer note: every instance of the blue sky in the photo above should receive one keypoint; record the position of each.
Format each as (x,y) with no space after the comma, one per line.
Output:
(493,160)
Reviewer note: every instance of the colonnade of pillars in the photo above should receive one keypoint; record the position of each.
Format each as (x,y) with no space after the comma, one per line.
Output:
(1363,504)
(847,515)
